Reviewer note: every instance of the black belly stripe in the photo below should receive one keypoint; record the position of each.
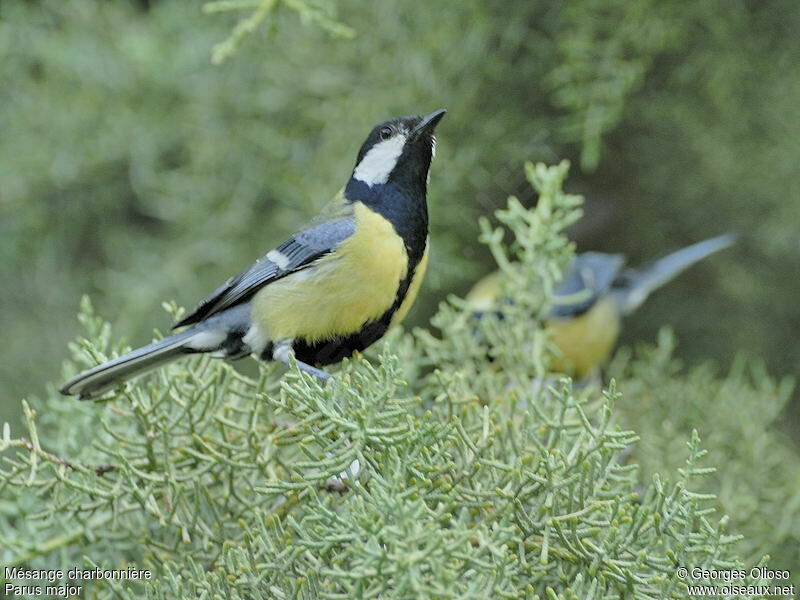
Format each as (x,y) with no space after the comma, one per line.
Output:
(407,211)
(328,352)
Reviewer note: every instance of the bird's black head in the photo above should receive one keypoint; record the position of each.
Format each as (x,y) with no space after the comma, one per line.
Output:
(398,151)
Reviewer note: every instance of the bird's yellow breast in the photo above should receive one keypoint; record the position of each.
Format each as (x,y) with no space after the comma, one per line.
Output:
(483,295)
(585,341)
(341,292)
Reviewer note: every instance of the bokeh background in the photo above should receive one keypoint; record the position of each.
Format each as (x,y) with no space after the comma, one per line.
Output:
(134,170)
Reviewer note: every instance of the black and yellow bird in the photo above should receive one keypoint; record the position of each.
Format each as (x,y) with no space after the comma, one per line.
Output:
(596,292)
(333,288)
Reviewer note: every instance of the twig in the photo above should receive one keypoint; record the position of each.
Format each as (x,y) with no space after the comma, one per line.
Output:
(57,460)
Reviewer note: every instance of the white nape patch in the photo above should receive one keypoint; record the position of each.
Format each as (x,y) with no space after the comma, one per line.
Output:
(279,258)
(204,341)
(256,339)
(378,163)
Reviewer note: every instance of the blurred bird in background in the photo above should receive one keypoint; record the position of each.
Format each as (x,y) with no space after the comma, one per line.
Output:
(331,289)
(596,292)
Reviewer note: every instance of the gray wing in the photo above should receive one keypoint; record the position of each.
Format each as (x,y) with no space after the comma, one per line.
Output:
(590,276)
(296,253)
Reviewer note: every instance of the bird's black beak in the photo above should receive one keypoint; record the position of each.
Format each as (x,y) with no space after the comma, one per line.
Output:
(428,123)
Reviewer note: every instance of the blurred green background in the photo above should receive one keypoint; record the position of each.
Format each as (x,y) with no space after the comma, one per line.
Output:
(134,170)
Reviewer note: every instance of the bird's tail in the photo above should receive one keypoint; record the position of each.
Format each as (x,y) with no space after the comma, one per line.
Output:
(638,284)
(96,381)
(220,334)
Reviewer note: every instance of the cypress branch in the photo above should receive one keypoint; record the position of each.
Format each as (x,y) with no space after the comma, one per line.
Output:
(439,468)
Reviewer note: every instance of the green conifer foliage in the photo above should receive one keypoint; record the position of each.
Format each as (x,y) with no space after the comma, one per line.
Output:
(447,463)
(435,469)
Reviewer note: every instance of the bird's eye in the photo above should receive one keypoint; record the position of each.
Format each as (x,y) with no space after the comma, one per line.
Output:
(386,133)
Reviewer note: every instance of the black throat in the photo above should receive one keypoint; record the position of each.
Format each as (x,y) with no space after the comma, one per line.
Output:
(406,209)
(401,203)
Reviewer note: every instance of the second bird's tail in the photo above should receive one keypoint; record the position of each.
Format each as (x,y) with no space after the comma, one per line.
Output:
(638,284)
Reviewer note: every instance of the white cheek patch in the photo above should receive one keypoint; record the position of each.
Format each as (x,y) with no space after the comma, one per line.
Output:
(377,164)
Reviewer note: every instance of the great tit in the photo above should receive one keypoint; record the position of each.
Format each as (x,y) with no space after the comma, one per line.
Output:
(333,288)
(593,296)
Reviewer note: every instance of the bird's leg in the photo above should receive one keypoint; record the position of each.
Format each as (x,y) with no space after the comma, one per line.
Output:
(283,354)
(323,376)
